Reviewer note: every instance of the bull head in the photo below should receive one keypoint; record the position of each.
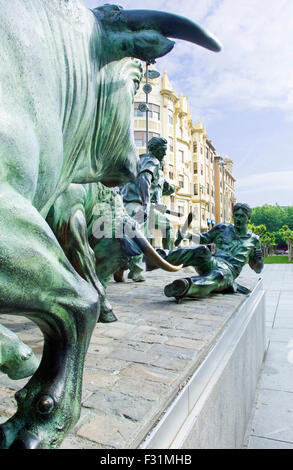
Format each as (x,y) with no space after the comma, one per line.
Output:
(144,33)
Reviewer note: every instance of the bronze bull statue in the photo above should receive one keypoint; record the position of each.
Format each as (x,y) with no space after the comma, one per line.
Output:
(56,73)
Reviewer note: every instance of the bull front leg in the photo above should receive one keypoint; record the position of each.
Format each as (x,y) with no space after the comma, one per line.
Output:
(37,281)
(68,221)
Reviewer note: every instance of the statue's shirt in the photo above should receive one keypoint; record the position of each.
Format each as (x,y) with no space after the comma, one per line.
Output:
(150,164)
(231,248)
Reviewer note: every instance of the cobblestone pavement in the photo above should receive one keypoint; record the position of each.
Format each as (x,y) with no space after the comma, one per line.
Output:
(136,366)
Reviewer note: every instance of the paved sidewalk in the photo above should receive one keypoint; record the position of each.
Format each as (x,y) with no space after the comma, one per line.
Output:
(272,425)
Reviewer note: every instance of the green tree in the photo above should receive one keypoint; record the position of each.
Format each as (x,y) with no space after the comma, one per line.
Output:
(289,216)
(287,235)
(257,229)
(268,240)
(273,217)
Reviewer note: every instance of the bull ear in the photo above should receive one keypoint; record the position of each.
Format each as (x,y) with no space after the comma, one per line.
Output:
(143,33)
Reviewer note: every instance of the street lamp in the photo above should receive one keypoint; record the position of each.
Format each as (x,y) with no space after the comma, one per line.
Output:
(147,88)
(222,163)
(200,189)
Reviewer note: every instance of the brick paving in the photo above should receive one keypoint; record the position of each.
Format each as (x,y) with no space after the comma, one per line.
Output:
(135,367)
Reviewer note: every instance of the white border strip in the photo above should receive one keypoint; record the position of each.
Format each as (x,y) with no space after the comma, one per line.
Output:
(172,430)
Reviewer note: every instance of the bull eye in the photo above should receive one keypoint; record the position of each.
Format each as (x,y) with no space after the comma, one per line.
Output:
(45,405)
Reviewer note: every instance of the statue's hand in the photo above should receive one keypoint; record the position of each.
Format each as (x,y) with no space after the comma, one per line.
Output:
(258,253)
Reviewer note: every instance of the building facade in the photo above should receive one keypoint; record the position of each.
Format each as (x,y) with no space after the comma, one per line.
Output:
(192,164)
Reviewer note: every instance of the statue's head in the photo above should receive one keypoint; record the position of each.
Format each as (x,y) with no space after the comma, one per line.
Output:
(158,147)
(241,215)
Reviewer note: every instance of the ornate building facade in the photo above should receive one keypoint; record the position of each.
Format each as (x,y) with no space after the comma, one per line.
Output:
(192,164)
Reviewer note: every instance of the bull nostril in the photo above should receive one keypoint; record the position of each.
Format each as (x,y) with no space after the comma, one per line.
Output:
(45,405)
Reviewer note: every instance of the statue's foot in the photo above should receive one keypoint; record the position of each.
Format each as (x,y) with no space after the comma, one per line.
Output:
(107,317)
(136,276)
(139,278)
(177,289)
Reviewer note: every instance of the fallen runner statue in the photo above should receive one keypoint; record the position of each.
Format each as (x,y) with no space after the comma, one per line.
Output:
(234,245)
(56,68)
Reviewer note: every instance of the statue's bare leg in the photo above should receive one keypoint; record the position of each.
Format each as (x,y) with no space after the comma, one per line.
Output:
(37,281)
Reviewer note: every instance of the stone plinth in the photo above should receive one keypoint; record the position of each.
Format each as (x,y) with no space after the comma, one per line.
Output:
(166,374)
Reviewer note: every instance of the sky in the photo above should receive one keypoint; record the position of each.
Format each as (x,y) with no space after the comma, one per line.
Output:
(243,94)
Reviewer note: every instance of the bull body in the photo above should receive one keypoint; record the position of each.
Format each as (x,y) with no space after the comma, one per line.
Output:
(54,87)
(65,102)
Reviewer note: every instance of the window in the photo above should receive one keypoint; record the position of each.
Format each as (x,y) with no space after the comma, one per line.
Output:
(181,181)
(172,199)
(181,156)
(194,147)
(171,172)
(201,170)
(154,111)
(171,144)
(170,117)
(140,138)
(181,207)
(195,189)
(137,112)
(195,168)
(208,188)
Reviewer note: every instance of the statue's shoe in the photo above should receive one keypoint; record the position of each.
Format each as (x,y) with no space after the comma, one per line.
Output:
(136,277)
(177,289)
(139,278)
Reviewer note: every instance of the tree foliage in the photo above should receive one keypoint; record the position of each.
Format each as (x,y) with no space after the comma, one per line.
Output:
(287,235)
(273,217)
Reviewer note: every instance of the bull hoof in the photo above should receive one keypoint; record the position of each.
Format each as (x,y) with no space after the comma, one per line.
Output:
(23,369)
(107,317)
(119,275)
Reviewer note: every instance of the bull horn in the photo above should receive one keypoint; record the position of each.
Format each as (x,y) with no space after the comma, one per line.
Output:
(171,26)
(153,256)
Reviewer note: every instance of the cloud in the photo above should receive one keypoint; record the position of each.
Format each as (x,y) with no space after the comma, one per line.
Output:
(274,181)
(262,188)
(254,69)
